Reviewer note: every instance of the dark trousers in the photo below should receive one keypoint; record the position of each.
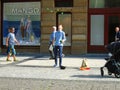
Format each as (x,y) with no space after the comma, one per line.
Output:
(58,51)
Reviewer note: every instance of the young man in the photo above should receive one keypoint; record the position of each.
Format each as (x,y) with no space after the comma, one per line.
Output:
(10,42)
(59,40)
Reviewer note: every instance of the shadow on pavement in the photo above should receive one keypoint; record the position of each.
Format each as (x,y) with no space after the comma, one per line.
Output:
(92,76)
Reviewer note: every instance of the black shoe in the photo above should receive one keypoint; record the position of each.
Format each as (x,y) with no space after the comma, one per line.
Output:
(62,67)
(102,72)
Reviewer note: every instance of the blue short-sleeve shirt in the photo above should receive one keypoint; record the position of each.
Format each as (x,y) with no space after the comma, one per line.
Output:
(11,37)
(59,36)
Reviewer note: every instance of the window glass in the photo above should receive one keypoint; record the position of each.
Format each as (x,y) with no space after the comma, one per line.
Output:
(97,30)
(97,3)
(113,3)
(25,17)
(63,3)
(104,3)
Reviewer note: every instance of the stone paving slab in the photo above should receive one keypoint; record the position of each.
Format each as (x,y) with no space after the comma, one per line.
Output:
(38,73)
(42,67)
(55,84)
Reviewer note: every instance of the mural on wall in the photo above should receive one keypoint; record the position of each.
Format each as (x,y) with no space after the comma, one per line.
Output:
(25,17)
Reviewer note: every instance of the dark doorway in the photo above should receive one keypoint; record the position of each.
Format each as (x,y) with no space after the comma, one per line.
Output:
(65,19)
(113,21)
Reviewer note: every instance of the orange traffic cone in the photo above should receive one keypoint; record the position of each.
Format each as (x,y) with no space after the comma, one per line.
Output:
(84,65)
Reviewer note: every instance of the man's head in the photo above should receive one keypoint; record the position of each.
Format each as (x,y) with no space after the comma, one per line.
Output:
(54,28)
(11,29)
(60,27)
(117,29)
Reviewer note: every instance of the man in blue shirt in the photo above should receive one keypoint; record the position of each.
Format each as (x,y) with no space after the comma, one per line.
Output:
(51,42)
(59,40)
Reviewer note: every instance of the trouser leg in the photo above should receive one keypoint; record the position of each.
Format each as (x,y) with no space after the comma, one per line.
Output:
(56,51)
(60,56)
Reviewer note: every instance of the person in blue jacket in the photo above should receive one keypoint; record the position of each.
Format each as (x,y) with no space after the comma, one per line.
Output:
(59,40)
(51,42)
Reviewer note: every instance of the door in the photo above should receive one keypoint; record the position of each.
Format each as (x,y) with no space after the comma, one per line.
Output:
(113,21)
(101,31)
(64,18)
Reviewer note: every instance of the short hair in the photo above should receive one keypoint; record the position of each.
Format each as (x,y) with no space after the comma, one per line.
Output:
(60,26)
(54,27)
(10,29)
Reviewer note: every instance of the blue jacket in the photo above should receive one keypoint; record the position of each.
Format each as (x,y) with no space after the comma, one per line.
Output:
(59,36)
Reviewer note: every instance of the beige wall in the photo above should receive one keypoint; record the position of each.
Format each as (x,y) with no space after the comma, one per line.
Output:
(47,21)
(79,26)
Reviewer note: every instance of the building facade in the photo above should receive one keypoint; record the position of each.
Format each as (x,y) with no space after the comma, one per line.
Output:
(88,24)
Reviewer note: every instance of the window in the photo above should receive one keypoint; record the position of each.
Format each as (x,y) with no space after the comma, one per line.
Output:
(63,3)
(104,3)
(97,30)
(25,17)
(112,3)
(96,3)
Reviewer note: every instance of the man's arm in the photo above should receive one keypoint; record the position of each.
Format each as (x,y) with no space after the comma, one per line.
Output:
(63,38)
(16,41)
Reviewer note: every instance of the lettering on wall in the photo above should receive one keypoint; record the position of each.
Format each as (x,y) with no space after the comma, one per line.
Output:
(25,11)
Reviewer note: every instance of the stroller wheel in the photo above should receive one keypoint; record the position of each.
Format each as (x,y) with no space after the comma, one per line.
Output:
(109,73)
(117,75)
(102,72)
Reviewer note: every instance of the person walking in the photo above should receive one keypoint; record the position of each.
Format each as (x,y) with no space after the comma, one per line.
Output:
(10,42)
(51,43)
(117,35)
(59,40)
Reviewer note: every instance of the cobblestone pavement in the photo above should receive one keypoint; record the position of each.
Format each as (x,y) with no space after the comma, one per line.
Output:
(37,73)
(50,84)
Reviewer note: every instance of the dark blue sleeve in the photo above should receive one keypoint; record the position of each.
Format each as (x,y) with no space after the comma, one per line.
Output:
(118,35)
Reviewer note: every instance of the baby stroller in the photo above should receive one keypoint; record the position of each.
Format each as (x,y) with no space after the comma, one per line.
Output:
(113,62)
